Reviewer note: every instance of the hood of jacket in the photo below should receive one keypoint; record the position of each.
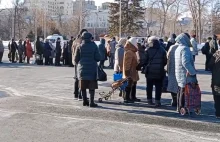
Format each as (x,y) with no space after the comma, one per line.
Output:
(183,39)
(131,47)
(102,41)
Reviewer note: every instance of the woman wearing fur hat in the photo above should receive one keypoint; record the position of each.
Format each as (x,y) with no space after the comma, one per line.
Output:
(129,70)
(156,60)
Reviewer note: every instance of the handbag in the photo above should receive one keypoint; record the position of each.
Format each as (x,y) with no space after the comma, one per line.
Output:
(102,76)
(145,69)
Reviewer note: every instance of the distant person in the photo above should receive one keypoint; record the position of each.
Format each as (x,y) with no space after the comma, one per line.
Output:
(129,70)
(162,44)
(24,44)
(156,60)
(103,53)
(70,44)
(206,51)
(113,44)
(65,54)
(141,54)
(184,67)
(214,65)
(2,48)
(12,50)
(29,51)
(194,48)
(213,45)
(119,55)
(21,51)
(47,52)
(86,57)
(171,41)
(76,43)
(58,52)
(39,51)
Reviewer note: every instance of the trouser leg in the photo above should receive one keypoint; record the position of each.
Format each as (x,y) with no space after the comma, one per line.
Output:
(174,99)
(28,60)
(217,105)
(150,84)
(180,98)
(84,95)
(92,96)
(158,92)
(13,57)
(1,55)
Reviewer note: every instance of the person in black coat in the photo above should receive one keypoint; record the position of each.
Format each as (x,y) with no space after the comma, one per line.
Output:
(206,51)
(58,52)
(156,60)
(47,52)
(70,44)
(13,47)
(39,51)
(65,54)
(171,41)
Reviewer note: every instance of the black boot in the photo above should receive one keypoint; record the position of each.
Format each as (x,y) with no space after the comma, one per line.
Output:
(127,95)
(133,94)
(85,101)
(174,100)
(92,96)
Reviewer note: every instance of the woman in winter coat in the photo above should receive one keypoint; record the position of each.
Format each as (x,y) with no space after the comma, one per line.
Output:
(214,65)
(20,51)
(156,60)
(86,57)
(119,56)
(39,51)
(194,49)
(184,67)
(130,64)
(47,52)
(103,53)
(29,51)
(1,50)
(172,83)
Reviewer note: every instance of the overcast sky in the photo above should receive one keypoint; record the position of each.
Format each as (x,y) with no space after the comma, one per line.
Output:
(7,3)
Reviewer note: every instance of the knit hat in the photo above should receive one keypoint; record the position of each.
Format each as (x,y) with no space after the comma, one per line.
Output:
(122,41)
(133,41)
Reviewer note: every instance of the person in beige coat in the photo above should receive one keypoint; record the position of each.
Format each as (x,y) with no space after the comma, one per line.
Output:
(130,64)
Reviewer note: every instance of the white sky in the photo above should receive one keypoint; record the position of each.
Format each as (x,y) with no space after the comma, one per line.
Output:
(7,3)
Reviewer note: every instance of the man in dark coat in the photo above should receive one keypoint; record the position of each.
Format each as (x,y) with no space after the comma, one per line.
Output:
(156,60)
(103,52)
(13,47)
(171,41)
(86,57)
(58,52)
(214,65)
(206,51)
(70,44)
(47,52)
(39,51)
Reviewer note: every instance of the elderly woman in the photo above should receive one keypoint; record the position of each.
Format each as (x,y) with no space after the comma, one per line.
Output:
(86,57)
(130,64)
(119,55)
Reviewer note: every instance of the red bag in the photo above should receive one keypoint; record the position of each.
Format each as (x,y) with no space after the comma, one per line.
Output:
(193,97)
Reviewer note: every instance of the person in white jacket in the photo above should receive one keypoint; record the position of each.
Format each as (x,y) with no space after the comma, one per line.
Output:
(194,49)
(1,50)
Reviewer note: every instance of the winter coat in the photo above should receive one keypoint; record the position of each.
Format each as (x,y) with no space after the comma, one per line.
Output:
(86,57)
(58,48)
(21,49)
(141,55)
(213,46)
(29,50)
(214,65)
(184,62)
(47,49)
(39,48)
(76,43)
(13,46)
(194,49)
(206,48)
(102,50)
(172,82)
(130,62)
(155,65)
(171,41)
(119,57)
(70,44)
(113,44)
(1,47)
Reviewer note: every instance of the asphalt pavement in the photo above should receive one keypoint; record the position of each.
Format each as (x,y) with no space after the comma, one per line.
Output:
(37,105)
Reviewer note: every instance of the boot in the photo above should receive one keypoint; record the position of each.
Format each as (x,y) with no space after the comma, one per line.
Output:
(133,94)
(85,101)
(157,103)
(92,96)
(174,100)
(127,95)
